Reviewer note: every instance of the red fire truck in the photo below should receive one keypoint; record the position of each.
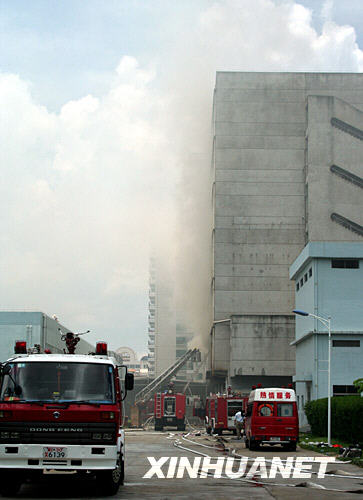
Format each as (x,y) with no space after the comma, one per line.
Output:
(62,412)
(169,410)
(220,410)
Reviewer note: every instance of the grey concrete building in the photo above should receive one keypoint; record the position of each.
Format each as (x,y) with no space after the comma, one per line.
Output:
(285,158)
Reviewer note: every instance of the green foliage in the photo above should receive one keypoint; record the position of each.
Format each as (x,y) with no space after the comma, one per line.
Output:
(346,417)
(358,384)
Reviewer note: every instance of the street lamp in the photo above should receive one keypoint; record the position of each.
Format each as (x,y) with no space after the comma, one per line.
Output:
(325,322)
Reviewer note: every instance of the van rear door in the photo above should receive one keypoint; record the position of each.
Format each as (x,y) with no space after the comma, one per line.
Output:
(285,421)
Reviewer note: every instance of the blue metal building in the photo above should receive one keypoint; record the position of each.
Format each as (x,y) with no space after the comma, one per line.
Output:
(34,328)
(328,283)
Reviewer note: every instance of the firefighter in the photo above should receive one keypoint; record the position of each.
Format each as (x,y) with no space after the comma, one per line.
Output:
(238,422)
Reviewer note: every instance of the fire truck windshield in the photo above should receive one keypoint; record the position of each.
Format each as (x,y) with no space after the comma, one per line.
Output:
(54,381)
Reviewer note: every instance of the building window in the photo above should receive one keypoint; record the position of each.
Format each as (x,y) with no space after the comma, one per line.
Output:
(301,282)
(181,340)
(310,272)
(344,390)
(306,277)
(346,343)
(297,286)
(345,263)
(180,352)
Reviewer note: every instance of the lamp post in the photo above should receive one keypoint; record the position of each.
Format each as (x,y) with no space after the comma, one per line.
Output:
(326,323)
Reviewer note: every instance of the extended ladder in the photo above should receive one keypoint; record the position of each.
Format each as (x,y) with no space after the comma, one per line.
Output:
(147,391)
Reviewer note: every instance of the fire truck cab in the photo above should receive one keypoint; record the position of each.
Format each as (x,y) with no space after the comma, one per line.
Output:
(220,410)
(62,412)
(272,418)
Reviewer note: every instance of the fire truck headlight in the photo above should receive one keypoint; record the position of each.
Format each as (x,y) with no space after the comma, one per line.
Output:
(5,414)
(14,435)
(4,435)
(110,415)
(107,436)
(97,436)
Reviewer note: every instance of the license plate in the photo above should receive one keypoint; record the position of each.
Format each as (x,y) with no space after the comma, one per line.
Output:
(275,439)
(55,452)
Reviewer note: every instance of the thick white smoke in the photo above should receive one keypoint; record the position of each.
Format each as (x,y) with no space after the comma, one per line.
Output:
(86,191)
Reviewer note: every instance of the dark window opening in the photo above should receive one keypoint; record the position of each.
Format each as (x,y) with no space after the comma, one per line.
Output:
(345,263)
(169,407)
(344,390)
(233,407)
(301,282)
(310,273)
(285,410)
(346,343)
(305,277)
(297,287)
(249,410)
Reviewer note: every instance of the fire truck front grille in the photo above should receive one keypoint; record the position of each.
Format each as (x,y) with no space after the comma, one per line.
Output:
(57,433)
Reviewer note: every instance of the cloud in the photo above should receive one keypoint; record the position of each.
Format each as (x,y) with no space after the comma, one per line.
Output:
(87,191)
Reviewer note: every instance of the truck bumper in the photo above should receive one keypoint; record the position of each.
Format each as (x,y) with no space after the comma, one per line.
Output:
(30,456)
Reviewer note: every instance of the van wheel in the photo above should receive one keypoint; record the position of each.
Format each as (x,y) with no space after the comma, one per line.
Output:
(110,480)
(253,446)
(11,481)
(290,447)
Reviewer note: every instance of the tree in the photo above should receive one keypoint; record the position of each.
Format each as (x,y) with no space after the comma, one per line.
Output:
(358,384)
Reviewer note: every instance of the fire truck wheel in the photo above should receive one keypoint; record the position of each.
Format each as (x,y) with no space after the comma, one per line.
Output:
(247,443)
(158,424)
(181,426)
(110,480)
(253,445)
(209,430)
(11,481)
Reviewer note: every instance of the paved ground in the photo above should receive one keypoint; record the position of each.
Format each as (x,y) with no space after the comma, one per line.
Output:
(141,444)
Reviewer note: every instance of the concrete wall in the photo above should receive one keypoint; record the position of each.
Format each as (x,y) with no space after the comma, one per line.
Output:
(260,345)
(327,192)
(262,163)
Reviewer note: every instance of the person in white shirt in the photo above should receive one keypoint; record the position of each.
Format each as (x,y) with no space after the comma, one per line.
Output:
(238,422)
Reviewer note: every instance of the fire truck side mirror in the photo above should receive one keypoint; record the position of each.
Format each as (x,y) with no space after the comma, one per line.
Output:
(5,369)
(129,381)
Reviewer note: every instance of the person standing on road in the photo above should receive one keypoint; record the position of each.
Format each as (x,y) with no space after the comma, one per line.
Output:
(238,422)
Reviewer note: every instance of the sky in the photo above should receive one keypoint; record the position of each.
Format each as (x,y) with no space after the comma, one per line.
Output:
(105,112)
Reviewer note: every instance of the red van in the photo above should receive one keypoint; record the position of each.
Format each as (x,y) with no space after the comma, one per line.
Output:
(272,418)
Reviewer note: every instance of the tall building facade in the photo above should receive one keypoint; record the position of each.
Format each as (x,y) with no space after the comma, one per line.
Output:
(283,144)
(162,322)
